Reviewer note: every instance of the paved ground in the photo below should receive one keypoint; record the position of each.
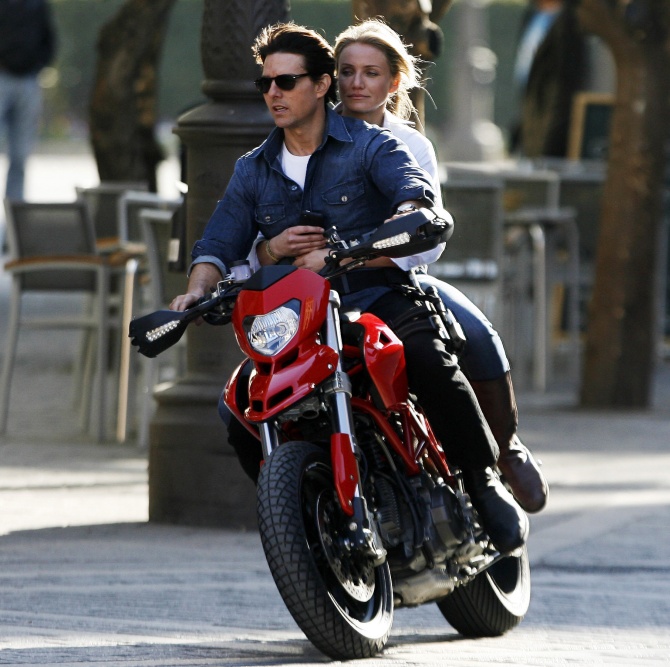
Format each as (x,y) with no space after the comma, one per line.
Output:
(85,580)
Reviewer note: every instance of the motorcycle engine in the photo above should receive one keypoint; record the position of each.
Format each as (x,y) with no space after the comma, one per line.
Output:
(421,525)
(446,525)
(420,519)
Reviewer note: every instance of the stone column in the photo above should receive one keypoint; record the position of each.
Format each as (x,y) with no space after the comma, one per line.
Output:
(471,134)
(194,477)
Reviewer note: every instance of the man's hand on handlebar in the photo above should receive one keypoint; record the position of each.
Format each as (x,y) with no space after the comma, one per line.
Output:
(184,301)
(203,277)
(314,260)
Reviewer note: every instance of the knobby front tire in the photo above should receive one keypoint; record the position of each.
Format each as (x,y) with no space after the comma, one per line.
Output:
(340,601)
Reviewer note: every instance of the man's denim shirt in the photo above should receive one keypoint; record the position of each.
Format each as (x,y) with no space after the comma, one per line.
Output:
(356,178)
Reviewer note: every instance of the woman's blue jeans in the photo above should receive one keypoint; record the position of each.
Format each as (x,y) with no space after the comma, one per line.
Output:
(484,357)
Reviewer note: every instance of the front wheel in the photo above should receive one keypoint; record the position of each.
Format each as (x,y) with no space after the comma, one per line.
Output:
(342,603)
(494,602)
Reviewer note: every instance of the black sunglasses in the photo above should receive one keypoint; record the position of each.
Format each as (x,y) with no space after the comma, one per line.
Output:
(283,81)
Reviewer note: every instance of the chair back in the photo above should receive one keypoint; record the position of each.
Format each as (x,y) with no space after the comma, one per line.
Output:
(584,193)
(131,203)
(39,231)
(536,189)
(157,233)
(474,251)
(102,201)
(473,258)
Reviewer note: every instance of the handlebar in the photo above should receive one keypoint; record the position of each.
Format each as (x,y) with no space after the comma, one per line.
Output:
(156,332)
(405,235)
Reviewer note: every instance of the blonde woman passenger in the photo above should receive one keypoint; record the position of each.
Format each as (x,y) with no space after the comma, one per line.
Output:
(375,73)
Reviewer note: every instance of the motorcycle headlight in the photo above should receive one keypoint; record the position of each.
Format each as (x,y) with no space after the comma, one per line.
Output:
(270,333)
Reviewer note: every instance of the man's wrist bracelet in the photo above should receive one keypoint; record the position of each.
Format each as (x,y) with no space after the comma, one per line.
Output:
(269,252)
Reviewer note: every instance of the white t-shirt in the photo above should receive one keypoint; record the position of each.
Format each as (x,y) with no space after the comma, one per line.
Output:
(294,166)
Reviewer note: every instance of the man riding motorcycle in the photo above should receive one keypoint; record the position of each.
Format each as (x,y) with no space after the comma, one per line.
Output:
(356,176)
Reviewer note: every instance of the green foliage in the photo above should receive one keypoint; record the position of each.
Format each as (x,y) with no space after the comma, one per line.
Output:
(79,22)
(331,21)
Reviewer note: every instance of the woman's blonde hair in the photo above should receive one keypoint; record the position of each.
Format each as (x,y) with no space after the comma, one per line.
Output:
(402,64)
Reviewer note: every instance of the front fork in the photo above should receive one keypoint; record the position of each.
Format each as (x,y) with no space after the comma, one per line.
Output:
(360,528)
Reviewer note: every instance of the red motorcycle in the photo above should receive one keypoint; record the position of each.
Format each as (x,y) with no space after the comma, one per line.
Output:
(359,511)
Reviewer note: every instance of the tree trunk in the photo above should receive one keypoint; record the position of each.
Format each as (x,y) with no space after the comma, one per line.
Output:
(123,105)
(622,336)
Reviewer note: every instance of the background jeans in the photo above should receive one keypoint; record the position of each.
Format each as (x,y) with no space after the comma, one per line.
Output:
(20,107)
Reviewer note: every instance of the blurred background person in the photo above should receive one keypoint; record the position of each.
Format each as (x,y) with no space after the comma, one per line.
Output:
(550,67)
(27,44)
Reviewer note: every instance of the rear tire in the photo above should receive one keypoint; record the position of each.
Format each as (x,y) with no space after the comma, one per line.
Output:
(494,602)
(341,602)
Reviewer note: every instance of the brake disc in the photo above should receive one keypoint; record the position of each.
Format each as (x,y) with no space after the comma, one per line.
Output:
(355,573)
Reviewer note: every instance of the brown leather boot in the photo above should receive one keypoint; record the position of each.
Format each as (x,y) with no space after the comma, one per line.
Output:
(516,463)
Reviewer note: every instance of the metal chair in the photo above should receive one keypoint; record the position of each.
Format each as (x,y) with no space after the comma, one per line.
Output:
(554,262)
(156,231)
(536,189)
(540,266)
(103,205)
(583,192)
(114,208)
(472,261)
(522,186)
(162,286)
(130,204)
(52,249)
